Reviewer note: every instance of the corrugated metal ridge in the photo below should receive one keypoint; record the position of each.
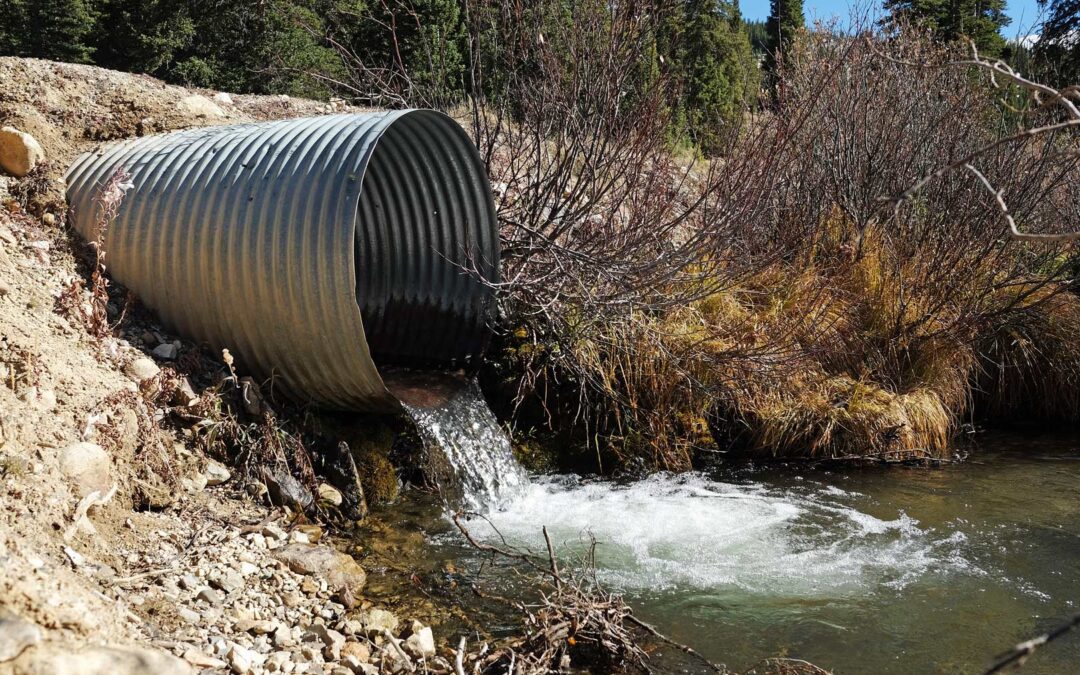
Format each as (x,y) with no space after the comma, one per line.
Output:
(281,241)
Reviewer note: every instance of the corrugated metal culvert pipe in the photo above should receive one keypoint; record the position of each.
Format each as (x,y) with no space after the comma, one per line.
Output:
(311,248)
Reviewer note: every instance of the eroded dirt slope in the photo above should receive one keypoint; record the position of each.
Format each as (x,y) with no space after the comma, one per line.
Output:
(123,549)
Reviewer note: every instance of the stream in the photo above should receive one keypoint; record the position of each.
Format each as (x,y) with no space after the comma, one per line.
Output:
(898,570)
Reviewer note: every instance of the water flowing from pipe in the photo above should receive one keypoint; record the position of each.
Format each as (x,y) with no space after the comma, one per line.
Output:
(468,452)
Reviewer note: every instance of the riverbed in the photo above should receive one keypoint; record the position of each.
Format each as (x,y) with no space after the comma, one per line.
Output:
(892,570)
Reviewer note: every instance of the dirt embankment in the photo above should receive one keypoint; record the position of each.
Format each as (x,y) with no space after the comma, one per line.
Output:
(123,548)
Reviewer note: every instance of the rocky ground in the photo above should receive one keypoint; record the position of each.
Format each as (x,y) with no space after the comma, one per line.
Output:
(123,547)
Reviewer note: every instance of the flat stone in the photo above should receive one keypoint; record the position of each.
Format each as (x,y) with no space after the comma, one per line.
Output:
(339,570)
(329,496)
(189,615)
(199,106)
(375,621)
(202,660)
(88,467)
(19,152)
(216,473)
(209,596)
(256,627)
(16,635)
(51,658)
(167,351)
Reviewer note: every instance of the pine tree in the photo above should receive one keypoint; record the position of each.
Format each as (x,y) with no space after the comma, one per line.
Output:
(142,35)
(50,29)
(782,27)
(978,20)
(419,43)
(1058,48)
(709,50)
(12,27)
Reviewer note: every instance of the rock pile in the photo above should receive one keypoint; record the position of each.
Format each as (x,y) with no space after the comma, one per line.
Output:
(260,599)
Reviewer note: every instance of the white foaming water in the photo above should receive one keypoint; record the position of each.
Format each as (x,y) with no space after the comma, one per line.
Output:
(688,531)
(480,471)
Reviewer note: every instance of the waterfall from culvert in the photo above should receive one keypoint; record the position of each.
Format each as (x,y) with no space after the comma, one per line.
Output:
(468,453)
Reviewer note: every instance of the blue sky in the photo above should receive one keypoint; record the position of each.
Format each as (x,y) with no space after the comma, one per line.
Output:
(1024,13)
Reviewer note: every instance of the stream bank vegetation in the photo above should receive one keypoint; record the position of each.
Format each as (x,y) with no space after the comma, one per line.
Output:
(792,295)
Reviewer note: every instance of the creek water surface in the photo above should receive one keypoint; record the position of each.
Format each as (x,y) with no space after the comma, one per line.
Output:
(859,571)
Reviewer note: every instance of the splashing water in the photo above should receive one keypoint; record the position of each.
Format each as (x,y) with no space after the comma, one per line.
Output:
(469,454)
(689,531)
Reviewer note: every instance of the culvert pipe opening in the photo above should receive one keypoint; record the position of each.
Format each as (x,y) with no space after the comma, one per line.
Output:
(426,246)
(311,248)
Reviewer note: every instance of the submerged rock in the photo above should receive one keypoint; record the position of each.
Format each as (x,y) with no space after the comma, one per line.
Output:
(373,622)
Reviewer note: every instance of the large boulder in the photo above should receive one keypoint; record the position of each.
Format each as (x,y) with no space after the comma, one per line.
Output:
(342,574)
(50,658)
(19,152)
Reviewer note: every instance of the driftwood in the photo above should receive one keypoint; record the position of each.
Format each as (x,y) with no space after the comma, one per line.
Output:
(575,618)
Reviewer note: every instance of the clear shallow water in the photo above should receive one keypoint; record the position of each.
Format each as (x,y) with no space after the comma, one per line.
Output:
(866,571)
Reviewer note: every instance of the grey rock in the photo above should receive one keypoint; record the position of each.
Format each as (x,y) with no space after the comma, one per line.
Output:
(16,635)
(189,615)
(209,596)
(331,640)
(226,581)
(216,473)
(56,657)
(242,660)
(282,637)
(375,621)
(340,572)
(284,490)
(165,351)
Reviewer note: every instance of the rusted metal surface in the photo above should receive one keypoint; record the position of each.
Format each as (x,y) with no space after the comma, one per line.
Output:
(312,248)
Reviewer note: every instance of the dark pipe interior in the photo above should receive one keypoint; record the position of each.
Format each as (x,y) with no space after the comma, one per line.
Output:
(424,220)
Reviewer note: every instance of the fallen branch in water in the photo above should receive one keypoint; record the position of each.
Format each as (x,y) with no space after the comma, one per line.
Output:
(1020,653)
(576,621)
